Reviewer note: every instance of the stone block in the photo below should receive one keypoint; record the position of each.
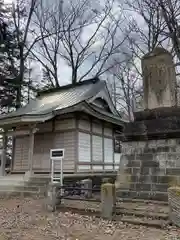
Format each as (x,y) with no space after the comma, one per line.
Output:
(150,163)
(53,196)
(144,157)
(123,180)
(159,157)
(108,200)
(173,171)
(143,186)
(160,196)
(144,170)
(164,179)
(87,184)
(174,181)
(144,179)
(154,179)
(158,171)
(173,160)
(163,149)
(171,142)
(134,178)
(146,195)
(173,149)
(141,144)
(124,161)
(126,194)
(132,186)
(131,157)
(128,170)
(137,151)
(157,149)
(149,150)
(161,142)
(160,187)
(134,163)
(136,171)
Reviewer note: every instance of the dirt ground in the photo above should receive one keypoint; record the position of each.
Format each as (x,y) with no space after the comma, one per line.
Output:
(26,219)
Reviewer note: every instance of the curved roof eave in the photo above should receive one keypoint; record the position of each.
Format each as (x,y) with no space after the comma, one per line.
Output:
(83,106)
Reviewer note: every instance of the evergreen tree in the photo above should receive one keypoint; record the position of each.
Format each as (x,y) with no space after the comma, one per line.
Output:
(8,55)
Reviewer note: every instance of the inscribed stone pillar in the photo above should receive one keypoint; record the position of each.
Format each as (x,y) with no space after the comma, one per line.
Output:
(108,200)
(159,79)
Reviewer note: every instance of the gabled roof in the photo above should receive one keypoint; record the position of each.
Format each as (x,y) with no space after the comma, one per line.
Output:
(65,99)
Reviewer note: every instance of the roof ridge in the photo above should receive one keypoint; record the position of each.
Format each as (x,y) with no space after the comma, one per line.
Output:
(68,86)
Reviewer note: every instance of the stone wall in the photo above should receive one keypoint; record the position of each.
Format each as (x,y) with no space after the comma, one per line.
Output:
(151,166)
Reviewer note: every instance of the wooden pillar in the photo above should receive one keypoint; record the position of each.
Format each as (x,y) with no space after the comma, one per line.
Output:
(31,149)
(3,154)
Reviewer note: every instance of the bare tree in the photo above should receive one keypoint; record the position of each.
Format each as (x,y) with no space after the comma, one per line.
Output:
(83,37)
(95,50)
(171,14)
(161,18)
(144,34)
(159,26)
(126,88)
(48,21)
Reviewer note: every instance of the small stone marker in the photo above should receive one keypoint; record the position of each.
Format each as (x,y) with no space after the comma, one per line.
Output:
(87,183)
(108,200)
(53,196)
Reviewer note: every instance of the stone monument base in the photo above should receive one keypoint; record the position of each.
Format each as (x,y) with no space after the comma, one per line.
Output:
(151,154)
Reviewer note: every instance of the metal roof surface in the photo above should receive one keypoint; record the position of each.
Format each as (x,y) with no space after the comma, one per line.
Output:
(60,99)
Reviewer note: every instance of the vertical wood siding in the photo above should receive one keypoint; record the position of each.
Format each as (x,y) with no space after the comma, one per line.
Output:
(84,124)
(21,153)
(66,140)
(97,148)
(108,131)
(65,124)
(43,142)
(65,137)
(108,150)
(84,147)
(46,142)
(41,154)
(45,127)
(97,127)
(102,155)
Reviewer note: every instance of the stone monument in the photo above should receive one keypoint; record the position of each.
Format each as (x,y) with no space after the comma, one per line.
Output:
(151,144)
(159,79)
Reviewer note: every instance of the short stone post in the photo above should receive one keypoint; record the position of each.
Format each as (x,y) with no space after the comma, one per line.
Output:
(108,200)
(3,155)
(87,183)
(53,196)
